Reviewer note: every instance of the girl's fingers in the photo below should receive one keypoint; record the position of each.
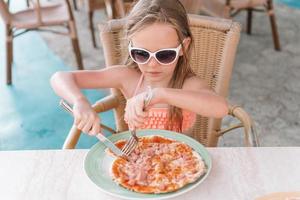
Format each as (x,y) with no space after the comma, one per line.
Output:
(139,116)
(134,116)
(146,109)
(140,113)
(96,128)
(81,123)
(138,120)
(88,126)
(138,124)
(79,116)
(126,116)
(130,114)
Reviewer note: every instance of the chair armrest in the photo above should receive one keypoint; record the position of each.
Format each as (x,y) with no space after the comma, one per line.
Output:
(106,103)
(239,113)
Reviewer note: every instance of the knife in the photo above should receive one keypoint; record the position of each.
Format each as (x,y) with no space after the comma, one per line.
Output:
(101,137)
(110,145)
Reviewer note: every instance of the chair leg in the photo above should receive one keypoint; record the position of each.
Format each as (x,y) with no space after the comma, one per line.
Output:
(9,55)
(92,30)
(249,20)
(275,35)
(75,5)
(77,52)
(72,138)
(75,44)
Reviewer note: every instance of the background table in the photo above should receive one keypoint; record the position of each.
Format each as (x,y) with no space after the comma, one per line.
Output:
(237,173)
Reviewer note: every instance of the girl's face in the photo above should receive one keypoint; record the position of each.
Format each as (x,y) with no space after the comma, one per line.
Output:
(153,38)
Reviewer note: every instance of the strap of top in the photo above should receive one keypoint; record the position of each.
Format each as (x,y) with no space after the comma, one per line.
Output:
(138,85)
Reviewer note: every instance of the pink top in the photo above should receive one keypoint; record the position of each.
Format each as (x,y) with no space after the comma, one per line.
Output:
(158,118)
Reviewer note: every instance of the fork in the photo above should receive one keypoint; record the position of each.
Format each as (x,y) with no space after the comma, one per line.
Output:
(132,142)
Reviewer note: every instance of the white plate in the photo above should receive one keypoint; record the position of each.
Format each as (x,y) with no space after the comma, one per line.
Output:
(98,164)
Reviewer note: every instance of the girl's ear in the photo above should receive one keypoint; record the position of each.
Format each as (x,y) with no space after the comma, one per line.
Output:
(185,44)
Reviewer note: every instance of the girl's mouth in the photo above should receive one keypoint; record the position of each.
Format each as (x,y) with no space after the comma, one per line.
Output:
(154,73)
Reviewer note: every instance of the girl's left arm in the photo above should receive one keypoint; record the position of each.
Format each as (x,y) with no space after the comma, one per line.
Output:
(195,96)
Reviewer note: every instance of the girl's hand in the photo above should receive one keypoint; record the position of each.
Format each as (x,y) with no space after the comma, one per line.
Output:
(86,119)
(135,114)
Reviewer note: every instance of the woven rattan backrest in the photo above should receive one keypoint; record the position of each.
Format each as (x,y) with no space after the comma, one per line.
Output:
(213,54)
(212,59)
(115,53)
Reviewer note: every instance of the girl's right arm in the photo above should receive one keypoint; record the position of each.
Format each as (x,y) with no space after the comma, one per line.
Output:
(68,85)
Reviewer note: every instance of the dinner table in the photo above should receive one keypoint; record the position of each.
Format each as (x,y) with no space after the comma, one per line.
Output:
(240,173)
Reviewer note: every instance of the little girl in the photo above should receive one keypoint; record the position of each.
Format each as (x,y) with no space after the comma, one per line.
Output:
(158,70)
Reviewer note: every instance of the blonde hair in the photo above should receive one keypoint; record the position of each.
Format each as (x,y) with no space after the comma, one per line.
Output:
(172,12)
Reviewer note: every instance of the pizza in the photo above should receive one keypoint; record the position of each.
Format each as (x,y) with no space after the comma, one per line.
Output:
(157,165)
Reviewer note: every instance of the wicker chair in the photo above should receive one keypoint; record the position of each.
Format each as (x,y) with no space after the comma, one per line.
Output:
(213,56)
(229,8)
(40,16)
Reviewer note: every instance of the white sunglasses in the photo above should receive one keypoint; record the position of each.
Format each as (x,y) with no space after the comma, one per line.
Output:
(162,56)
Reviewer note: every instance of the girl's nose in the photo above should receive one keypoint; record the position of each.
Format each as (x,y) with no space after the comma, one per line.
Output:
(153,62)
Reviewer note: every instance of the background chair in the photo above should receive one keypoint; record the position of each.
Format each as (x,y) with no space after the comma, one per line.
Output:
(113,8)
(40,16)
(213,56)
(229,8)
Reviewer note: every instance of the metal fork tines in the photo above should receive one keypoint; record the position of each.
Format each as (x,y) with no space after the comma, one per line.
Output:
(131,143)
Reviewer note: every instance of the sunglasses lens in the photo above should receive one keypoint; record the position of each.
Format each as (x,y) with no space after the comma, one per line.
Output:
(166,56)
(139,56)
